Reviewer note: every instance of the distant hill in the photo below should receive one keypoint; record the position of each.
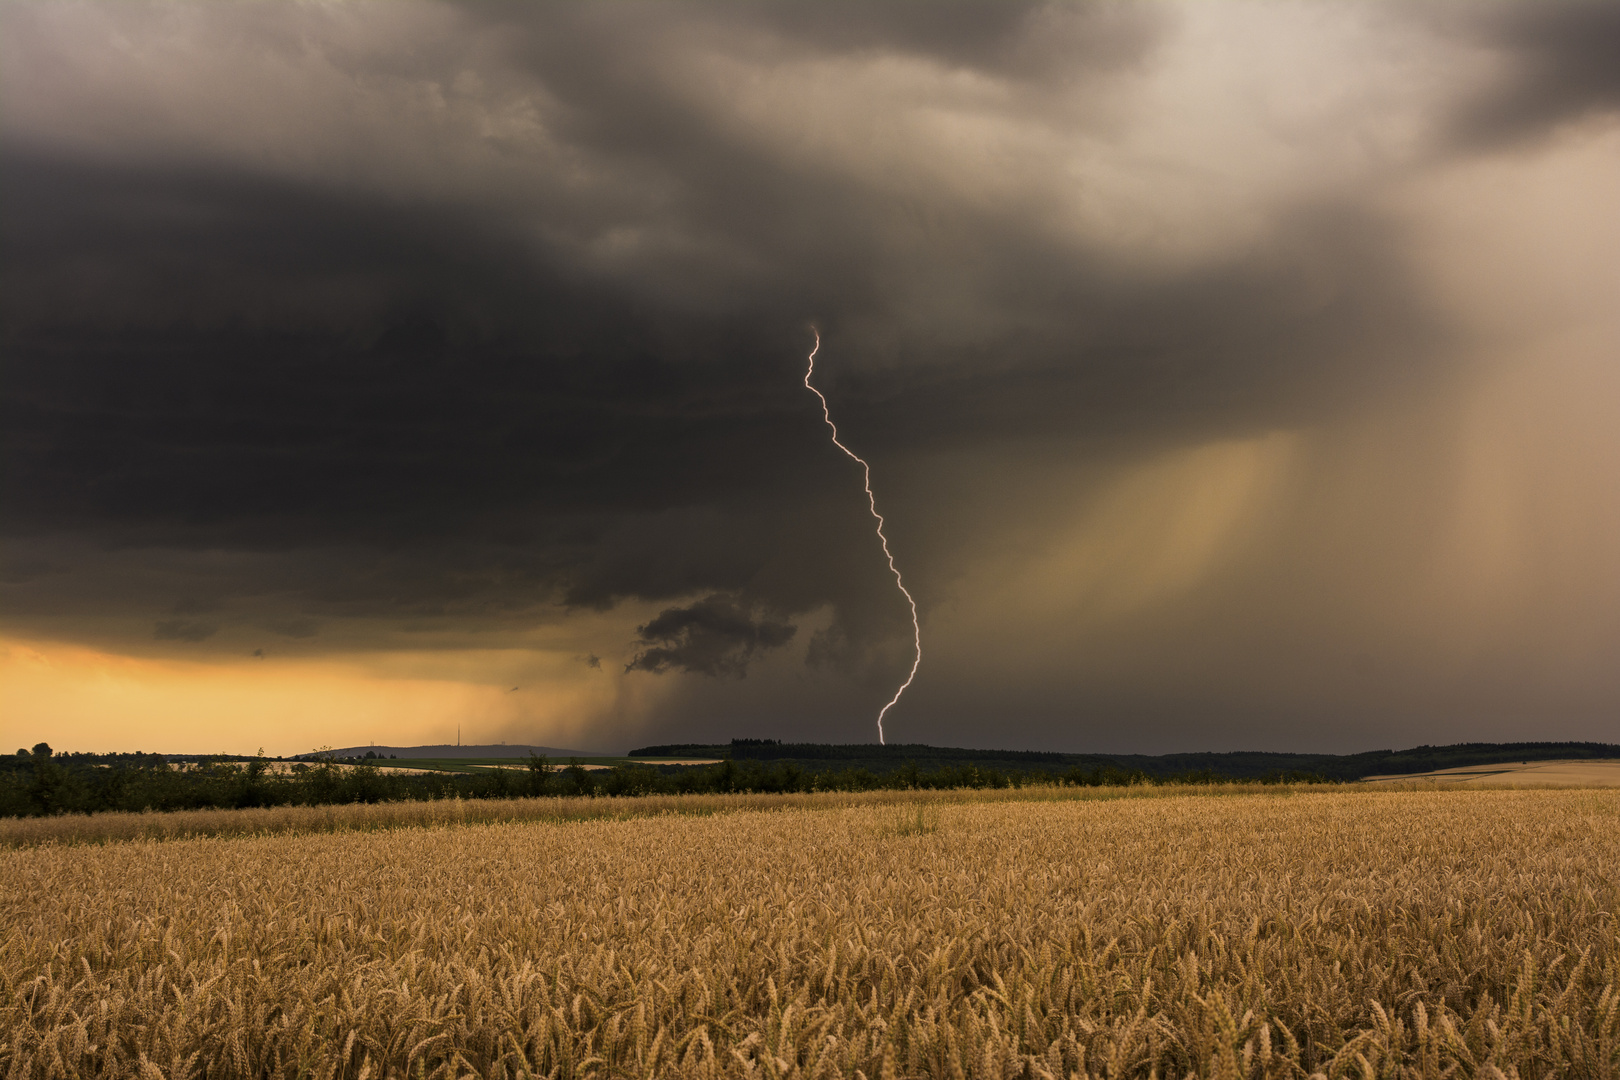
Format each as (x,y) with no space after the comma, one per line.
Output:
(1235,765)
(451,750)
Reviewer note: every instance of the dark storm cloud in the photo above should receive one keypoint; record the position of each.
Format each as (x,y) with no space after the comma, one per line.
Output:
(455,394)
(153,378)
(715,636)
(1562,64)
(437,395)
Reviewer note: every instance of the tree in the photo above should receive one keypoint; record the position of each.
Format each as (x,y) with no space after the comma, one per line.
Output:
(582,779)
(48,790)
(540,770)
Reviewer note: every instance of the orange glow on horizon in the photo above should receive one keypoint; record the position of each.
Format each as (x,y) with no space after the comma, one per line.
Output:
(83,699)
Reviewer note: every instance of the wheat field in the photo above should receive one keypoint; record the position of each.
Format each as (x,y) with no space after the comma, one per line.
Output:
(1293,933)
(370,817)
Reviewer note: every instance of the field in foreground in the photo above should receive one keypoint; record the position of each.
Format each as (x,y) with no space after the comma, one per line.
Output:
(1370,933)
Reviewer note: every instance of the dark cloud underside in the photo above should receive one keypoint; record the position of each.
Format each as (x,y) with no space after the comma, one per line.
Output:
(291,367)
(715,636)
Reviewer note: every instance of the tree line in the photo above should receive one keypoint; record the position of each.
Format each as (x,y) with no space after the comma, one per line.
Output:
(1237,765)
(40,782)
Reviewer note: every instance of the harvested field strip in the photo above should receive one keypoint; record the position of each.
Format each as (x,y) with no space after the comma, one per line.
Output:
(1466,933)
(1585,772)
(264,821)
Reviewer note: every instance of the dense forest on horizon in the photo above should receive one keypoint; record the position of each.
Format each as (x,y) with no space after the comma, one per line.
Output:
(1234,765)
(41,782)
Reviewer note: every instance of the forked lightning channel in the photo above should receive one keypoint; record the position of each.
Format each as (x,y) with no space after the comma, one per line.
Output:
(916,630)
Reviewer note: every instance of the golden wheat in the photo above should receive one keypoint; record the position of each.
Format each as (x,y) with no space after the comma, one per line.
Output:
(266,821)
(1408,934)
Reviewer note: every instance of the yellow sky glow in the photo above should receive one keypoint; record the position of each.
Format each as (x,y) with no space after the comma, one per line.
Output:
(79,698)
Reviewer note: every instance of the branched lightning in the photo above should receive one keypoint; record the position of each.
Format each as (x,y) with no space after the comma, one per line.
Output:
(916,630)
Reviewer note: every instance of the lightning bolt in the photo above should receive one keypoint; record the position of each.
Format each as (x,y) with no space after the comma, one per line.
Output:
(916,630)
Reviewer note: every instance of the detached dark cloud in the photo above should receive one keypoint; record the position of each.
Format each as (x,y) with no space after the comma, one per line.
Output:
(715,636)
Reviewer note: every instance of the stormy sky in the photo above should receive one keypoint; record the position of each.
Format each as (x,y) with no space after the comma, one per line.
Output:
(1233,376)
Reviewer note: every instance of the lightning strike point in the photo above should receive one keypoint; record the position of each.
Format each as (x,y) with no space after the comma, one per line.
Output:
(916,629)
